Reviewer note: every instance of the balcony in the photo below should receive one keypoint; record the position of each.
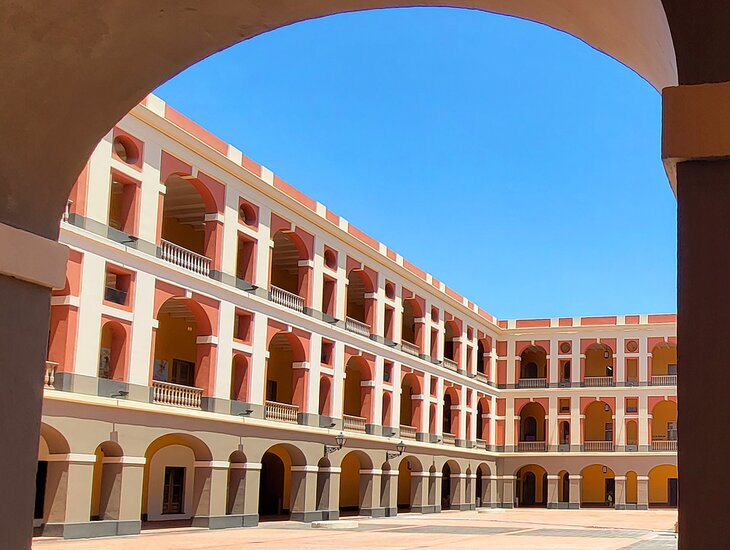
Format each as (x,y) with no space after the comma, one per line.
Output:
(50,376)
(598,446)
(177,395)
(531,446)
(664,380)
(448,439)
(182,257)
(281,412)
(411,349)
(407,432)
(532,383)
(353,423)
(286,299)
(450,364)
(598,381)
(668,445)
(358,327)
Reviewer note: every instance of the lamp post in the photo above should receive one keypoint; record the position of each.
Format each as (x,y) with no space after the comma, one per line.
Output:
(340,439)
(399,448)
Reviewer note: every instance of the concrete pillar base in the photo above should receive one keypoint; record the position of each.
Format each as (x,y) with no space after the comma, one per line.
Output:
(390,512)
(230,521)
(89,529)
(330,515)
(306,517)
(373,512)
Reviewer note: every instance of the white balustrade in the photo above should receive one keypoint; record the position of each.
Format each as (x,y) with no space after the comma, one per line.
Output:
(408,347)
(598,381)
(175,254)
(50,376)
(281,412)
(407,432)
(664,380)
(358,327)
(667,445)
(177,395)
(598,446)
(450,364)
(353,423)
(286,299)
(482,377)
(532,383)
(67,211)
(481,444)
(448,439)
(531,446)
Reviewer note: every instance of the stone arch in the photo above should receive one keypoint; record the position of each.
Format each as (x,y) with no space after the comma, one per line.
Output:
(532,423)
(663,486)
(533,362)
(285,270)
(531,486)
(483,406)
(356,488)
(113,351)
(284,383)
(240,379)
(410,409)
(107,481)
(359,301)
(357,400)
(282,483)
(598,431)
(51,476)
(451,412)
(597,486)
(483,485)
(411,484)
(599,361)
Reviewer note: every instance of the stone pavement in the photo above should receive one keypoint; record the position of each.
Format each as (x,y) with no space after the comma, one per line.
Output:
(495,529)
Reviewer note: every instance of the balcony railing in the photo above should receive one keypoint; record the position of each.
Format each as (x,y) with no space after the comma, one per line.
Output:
(50,376)
(177,395)
(481,444)
(353,423)
(170,252)
(67,211)
(358,327)
(407,432)
(598,446)
(668,445)
(281,412)
(409,348)
(286,299)
(448,439)
(598,381)
(482,377)
(532,383)
(664,380)
(450,364)
(531,446)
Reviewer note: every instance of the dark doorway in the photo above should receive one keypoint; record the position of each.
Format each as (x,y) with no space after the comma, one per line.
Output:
(446,488)
(566,488)
(271,494)
(174,490)
(40,489)
(610,492)
(528,489)
(673,491)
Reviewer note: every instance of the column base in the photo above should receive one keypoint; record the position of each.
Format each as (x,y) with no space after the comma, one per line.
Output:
(506,505)
(330,515)
(231,521)
(462,507)
(558,505)
(574,506)
(89,529)
(391,512)
(428,509)
(373,512)
(306,517)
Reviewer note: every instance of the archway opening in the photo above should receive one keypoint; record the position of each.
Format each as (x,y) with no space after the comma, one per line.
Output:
(409,407)
(597,487)
(113,351)
(107,481)
(599,433)
(563,487)
(533,434)
(285,385)
(664,426)
(275,485)
(599,364)
(664,486)
(531,486)
(286,275)
(533,366)
(356,398)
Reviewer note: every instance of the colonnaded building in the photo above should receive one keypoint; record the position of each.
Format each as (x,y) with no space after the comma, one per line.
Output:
(227,350)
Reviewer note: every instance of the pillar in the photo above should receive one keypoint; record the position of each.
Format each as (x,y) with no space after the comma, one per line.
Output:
(574,502)
(506,491)
(419,492)
(389,492)
(121,498)
(370,493)
(492,492)
(210,487)
(328,487)
(243,494)
(620,492)
(68,498)
(642,493)
(553,491)
(458,492)
(434,491)
(304,493)
(471,480)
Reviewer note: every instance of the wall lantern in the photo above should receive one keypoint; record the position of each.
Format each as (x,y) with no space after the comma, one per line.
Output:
(400,448)
(604,469)
(605,354)
(340,440)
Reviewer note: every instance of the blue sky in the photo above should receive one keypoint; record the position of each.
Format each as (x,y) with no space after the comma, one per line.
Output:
(511,161)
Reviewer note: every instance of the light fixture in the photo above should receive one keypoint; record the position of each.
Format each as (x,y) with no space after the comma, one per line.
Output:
(604,469)
(120,393)
(400,448)
(247,412)
(606,408)
(605,354)
(340,440)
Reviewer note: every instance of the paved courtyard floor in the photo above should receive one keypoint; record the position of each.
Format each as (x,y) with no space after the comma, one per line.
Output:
(493,529)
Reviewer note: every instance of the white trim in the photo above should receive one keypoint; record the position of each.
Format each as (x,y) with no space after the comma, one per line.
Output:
(68,300)
(306,469)
(330,470)
(207,340)
(215,217)
(367,384)
(251,466)
(217,464)
(372,471)
(79,458)
(117,313)
(240,346)
(138,460)
(306,263)
(300,365)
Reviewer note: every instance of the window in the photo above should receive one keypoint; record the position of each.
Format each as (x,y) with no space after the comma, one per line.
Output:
(271,390)
(672,370)
(242,326)
(672,431)
(116,286)
(608,431)
(387,372)
(183,372)
(326,352)
(248,213)
(565,405)
(632,406)
(174,490)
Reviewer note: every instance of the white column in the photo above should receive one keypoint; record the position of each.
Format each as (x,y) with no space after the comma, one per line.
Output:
(492,421)
(258,360)
(620,361)
(511,362)
(552,420)
(474,417)
(643,421)
(341,287)
(317,275)
(149,193)
(395,381)
(575,418)
(554,374)
(464,406)
(619,424)
(315,345)
(378,392)
(263,248)
(90,303)
(439,406)
(338,379)
(575,366)
(492,366)
(509,425)
(97,197)
(224,357)
(229,247)
(643,362)
(141,345)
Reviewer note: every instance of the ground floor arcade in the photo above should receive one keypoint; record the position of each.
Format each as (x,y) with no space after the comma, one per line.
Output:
(108,470)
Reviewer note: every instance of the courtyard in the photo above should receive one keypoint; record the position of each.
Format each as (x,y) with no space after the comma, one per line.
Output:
(494,529)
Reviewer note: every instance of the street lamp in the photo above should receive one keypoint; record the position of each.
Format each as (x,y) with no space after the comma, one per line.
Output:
(399,448)
(340,439)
